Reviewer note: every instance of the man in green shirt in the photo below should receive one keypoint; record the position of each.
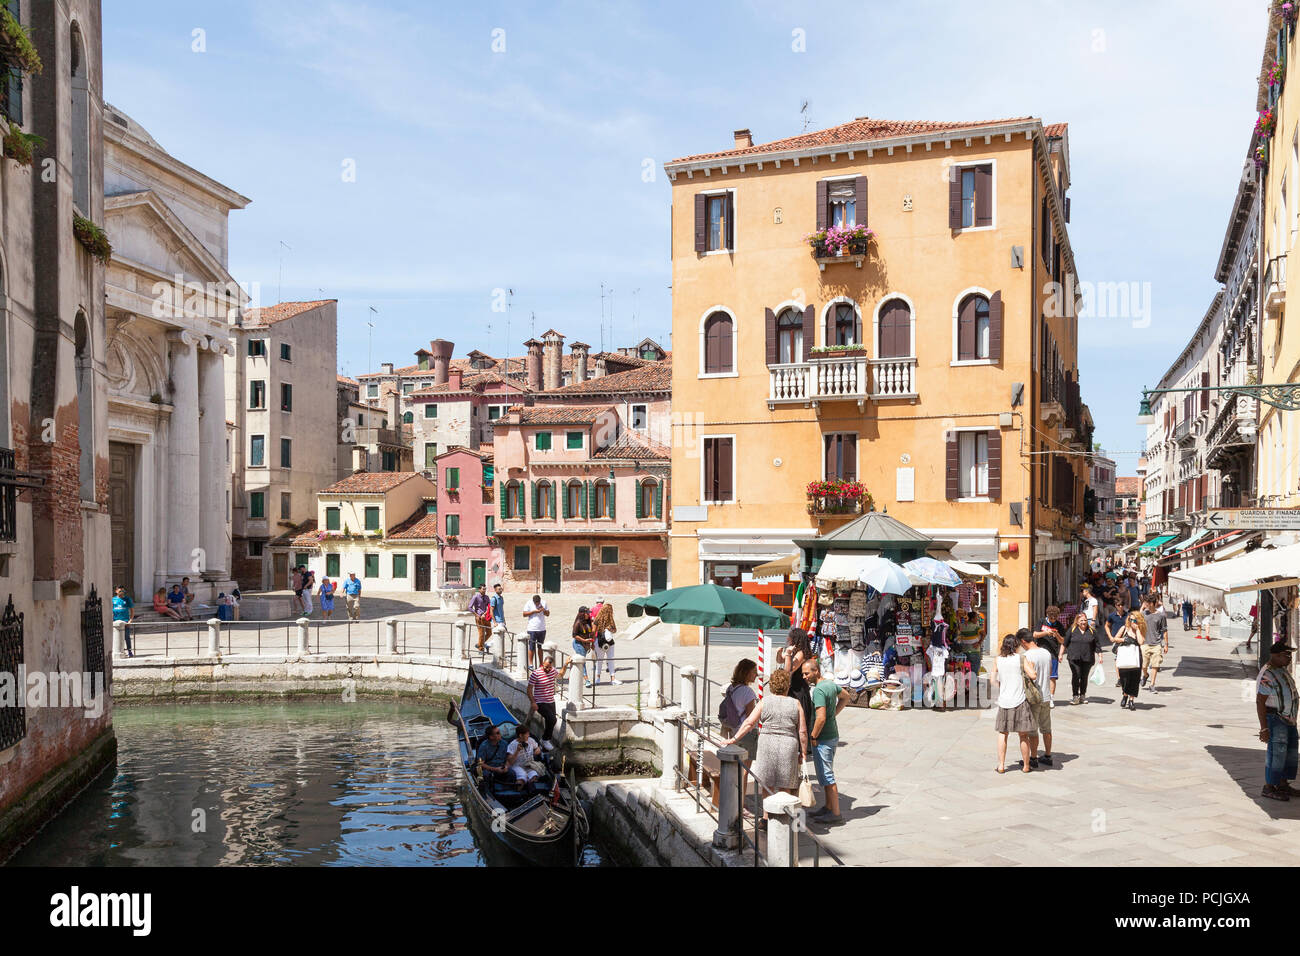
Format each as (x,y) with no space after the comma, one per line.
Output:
(828,699)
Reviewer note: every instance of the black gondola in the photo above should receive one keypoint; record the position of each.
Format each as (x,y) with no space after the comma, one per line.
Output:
(542,822)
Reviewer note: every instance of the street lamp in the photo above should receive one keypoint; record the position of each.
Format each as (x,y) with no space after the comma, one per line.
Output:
(1145,417)
(1285,396)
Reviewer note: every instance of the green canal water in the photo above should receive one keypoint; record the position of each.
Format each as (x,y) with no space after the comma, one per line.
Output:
(296,784)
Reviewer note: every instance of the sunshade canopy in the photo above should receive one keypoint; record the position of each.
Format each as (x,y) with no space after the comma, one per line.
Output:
(1211,583)
(1156,543)
(708,605)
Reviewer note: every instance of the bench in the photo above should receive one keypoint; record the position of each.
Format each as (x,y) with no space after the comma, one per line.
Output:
(712,772)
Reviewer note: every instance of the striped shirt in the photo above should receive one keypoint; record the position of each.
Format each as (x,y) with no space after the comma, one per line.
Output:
(542,683)
(1277,685)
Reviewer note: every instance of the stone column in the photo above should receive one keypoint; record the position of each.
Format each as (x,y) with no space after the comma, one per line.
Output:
(783,825)
(670,747)
(656,681)
(214,637)
(212,462)
(688,690)
(181,497)
(727,836)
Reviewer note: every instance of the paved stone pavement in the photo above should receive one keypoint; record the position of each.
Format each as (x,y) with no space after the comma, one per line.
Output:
(1175,783)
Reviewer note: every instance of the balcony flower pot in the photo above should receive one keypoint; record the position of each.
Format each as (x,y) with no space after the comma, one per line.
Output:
(838,351)
(1266,124)
(93,238)
(20,146)
(15,45)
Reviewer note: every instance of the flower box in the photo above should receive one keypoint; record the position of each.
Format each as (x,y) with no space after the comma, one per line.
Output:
(93,238)
(838,351)
(1266,124)
(15,45)
(839,242)
(19,146)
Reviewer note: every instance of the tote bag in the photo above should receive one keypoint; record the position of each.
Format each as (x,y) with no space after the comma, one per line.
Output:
(1128,655)
(806,798)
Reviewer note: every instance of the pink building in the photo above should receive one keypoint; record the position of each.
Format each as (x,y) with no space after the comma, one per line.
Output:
(582,486)
(466,518)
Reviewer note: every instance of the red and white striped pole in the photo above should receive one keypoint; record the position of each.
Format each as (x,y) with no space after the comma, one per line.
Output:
(762,666)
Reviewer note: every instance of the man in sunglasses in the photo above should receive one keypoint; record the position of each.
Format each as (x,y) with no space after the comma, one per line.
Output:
(1275,703)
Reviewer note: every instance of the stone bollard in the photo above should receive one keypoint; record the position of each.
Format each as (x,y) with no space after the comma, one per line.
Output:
(688,691)
(303,636)
(119,639)
(521,656)
(458,641)
(785,820)
(575,683)
(390,639)
(656,681)
(214,637)
(727,836)
(670,747)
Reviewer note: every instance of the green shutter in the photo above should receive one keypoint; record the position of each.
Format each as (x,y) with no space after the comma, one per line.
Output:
(564,503)
(612,511)
(582,500)
(640,512)
(532,494)
(502,490)
(591,499)
(659,499)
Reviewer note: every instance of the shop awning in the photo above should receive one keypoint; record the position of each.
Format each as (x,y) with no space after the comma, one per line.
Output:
(779,568)
(1188,542)
(1261,569)
(841,566)
(1156,543)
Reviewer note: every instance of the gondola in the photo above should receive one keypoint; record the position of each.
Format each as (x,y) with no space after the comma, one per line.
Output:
(542,822)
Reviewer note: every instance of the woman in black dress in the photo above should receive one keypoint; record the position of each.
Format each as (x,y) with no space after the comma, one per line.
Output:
(798,648)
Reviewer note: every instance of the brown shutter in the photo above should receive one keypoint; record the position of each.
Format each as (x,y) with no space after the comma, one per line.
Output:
(954,198)
(809,331)
(830,325)
(984,195)
(821,204)
(851,457)
(723,468)
(701,224)
(724,345)
(731,221)
(966,329)
(828,443)
(770,324)
(860,199)
(710,468)
(995,464)
(952,480)
(995,327)
(1205,396)
(710,345)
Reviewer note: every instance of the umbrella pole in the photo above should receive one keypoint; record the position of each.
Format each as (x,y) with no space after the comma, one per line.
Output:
(705,710)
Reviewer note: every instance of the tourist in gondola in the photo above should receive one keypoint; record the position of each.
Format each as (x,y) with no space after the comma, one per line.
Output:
(521,754)
(493,755)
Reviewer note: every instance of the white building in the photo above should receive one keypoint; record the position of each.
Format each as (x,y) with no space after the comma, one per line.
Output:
(170,302)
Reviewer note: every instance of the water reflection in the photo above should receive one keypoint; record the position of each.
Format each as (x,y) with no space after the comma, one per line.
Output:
(298,784)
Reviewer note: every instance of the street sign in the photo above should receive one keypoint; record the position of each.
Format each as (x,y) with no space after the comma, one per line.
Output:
(1254,519)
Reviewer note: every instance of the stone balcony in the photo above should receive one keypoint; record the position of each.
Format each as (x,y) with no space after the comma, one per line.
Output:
(839,378)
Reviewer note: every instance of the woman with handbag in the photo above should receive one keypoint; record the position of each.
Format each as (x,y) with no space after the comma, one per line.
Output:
(1081,647)
(782,746)
(603,622)
(584,639)
(1013,674)
(1128,657)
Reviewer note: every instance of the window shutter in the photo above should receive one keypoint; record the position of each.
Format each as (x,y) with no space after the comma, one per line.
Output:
(954,198)
(710,469)
(731,221)
(995,464)
(1205,396)
(822,209)
(769,319)
(591,499)
(830,327)
(983,195)
(966,330)
(503,490)
(532,493)
(701,223)
(659,499)
(995,327)
(564,502)
(640,513)
(14,98)
(582,498)
(952,478)
(860,200)
(1067,209)
(725,490)
(850,457)
(829,469)
(613,511)
(809,331)
(724,345)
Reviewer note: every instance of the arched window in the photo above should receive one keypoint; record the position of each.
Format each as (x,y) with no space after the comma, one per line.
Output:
(514,500)
(843,325)
(603,501)
(649,499)
(408,418)
(574,505)
(789,336)
(973,328)
(85,406)
(80,125)
(718,344)
(895,330)
(544,500)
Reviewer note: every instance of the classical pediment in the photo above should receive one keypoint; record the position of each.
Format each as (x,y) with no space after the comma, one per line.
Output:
(146,233)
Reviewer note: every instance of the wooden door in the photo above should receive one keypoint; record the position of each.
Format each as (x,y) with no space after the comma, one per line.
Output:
(477,573)
(550,574)
(121,510)
(423,572)
(280,571)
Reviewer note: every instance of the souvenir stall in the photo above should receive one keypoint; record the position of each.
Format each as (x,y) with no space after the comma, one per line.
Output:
(914,631)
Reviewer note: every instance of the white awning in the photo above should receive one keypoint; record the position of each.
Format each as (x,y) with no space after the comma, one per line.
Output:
(1211,583)
(842,567)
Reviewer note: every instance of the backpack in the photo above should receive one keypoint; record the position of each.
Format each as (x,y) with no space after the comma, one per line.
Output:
(727,711)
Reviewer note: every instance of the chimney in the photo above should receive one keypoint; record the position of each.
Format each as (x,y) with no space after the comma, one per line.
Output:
(387,367)
(455,379)
(534,364)
(441,360)
(600,367)
(580,350)
(393,406)
(743,138)
(553,366)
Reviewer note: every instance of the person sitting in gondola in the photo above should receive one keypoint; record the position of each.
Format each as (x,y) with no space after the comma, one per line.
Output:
(523,750)
(494,757)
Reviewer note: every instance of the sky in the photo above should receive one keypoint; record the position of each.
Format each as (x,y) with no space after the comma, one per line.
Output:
(418,158)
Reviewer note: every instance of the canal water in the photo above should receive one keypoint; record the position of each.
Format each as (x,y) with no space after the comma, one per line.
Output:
(296,784)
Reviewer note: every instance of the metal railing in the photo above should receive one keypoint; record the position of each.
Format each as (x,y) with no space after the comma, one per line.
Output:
(162,638)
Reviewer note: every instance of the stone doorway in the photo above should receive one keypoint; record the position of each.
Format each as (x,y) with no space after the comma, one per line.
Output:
(121,511)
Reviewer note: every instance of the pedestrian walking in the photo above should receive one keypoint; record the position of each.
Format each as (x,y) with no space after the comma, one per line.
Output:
(308,582)
(584,640)
(1157,642)
(828,699)
(1090,605)
(124,610)
(1187,615)
(1014,715)
(327,589)
(1275,704)
(738,702)
(541,695)
(1040,658)
(352,596)
(295,585)
(1081,648)
(603,622)
(1128,657)
(1048,636)
(537,611)
(481,608)
(498,602)
(781,748)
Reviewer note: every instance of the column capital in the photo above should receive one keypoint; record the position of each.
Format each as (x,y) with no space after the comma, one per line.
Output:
(219,345)
(184,338)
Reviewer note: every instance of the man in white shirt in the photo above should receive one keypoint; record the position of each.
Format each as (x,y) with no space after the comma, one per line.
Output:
(1090,606)
(1041,659)
(522,752)
(536,611)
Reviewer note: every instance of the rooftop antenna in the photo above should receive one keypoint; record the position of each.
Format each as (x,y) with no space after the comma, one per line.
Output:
(803,112)
(279,283)
(510,298)
(602,316)
(370,340)
(634,292)
(612,347)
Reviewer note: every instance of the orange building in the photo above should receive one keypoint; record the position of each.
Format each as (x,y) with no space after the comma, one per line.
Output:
(933,360)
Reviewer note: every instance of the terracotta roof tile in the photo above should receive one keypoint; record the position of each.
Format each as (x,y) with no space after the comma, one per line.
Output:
(421,525)
(861,130)
(630,445)
(471,383)
(271,314)
(1054,130)
(563,414)
(296,535)
(369,482)
(650,377)
(1128,487)
(344,380)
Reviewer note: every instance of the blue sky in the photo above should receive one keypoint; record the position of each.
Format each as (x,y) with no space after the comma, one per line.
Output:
(477,170)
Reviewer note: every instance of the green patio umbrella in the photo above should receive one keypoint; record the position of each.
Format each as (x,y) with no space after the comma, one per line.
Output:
(706,606)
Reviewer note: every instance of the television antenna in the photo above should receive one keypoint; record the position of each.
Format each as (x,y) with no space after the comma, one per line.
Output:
(279,282)
(803,112)
(370,339)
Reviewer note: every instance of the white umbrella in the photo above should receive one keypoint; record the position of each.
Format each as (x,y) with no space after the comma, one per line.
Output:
(933,571)
(884,575)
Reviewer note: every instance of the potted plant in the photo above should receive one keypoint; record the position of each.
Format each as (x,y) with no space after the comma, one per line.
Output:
(1275,74)
(15,45)
(93,238)
(1286,10)
(1266,123)
(838,351)
(20,146)
(1261,155)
